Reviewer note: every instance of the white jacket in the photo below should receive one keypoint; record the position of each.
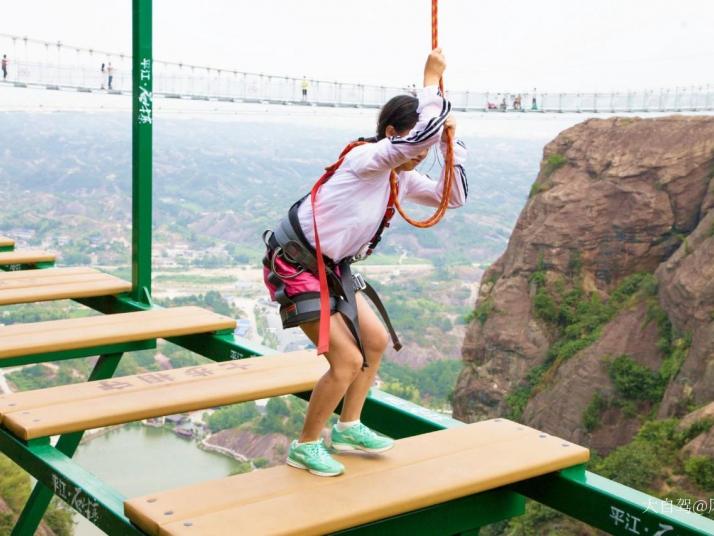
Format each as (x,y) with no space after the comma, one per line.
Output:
(351,204)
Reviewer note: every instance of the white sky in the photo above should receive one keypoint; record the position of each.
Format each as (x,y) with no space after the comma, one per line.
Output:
(552,45)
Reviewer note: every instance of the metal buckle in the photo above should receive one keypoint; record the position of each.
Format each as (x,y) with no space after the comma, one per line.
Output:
(277,252)
(358,282)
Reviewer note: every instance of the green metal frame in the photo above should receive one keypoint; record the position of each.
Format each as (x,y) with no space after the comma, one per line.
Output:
(574,491)
(141,147)
(41,496)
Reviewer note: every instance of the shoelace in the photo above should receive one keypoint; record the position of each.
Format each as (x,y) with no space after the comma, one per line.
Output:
(318,450)
(365,430)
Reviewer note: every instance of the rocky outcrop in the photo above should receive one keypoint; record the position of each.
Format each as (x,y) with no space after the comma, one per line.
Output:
(703,443)
(559,408)
(687,294)
(613,198)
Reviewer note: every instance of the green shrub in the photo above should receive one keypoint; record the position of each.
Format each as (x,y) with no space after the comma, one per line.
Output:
(483,311)
(518,398)
(544,306)
(664,433)
(674,359)
(575,263)
(7,523)
(259,463)
(701,470)
(534,521)
(591,415)
(407,392)
(536,188)
(430,385)
(634,381)
(698,427)
(59,519)
(635,464)
(554,162)
(232,416)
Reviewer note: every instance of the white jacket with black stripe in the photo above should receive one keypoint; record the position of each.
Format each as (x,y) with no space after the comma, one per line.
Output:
(351,205)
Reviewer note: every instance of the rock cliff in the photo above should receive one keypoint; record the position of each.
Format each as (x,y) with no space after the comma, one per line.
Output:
(601,310)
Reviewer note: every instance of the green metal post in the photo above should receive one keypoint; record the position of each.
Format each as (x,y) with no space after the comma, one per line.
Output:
(41,496)
(141,146)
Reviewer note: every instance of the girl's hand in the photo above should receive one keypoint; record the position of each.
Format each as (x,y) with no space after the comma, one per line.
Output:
(434,68)
(450,125)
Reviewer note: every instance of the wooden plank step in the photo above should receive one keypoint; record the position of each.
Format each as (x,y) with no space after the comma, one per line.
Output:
(58,335)
(57,284)
(27,256)
(418,472)
(71,408)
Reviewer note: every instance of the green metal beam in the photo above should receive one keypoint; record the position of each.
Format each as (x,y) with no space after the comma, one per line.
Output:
(76,353)
(612,507)
(80,489)
(141,145)
(41,496)
(459,516)
(25,266)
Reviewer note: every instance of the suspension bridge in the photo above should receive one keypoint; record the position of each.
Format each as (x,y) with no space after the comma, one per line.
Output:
(36,63)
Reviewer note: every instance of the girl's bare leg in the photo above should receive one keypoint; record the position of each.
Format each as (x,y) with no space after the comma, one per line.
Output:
(375,340)
(345,363)
(345,377)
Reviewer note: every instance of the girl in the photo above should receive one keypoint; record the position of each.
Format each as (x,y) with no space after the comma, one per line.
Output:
(351,210)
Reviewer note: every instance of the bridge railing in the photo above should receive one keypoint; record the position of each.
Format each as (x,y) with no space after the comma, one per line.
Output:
(54,65)
(204,83)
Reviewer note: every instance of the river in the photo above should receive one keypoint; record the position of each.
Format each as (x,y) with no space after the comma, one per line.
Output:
(137,460)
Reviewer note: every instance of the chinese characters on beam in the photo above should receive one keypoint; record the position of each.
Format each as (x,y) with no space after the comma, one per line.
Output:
(145,97)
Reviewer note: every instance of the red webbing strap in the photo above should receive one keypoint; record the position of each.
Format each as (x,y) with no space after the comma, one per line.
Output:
(323,341)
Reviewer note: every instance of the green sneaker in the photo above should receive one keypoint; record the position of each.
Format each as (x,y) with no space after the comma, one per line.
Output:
(315,458)
(360,437)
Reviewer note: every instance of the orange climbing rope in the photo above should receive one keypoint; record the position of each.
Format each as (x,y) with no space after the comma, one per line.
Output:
(449,172)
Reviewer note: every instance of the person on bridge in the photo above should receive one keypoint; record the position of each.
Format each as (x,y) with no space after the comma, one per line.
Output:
(110,75)
(304,85)
(351,211)
(4,66)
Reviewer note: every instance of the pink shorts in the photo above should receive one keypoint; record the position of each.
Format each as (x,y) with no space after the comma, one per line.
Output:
(294,286)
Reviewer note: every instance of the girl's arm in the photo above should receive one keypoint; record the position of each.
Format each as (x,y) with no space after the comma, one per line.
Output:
(433,110)
(425,191)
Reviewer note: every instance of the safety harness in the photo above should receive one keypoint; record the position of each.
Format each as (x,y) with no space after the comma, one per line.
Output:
(288,242)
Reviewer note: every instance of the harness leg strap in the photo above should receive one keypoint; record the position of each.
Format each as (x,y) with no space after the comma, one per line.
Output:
(348,308)
(374,298)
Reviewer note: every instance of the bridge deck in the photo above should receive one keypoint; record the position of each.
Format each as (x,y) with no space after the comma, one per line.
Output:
(56,284)
(420,471)
(72,408)
(29,256)
(6,243)
(75,333)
